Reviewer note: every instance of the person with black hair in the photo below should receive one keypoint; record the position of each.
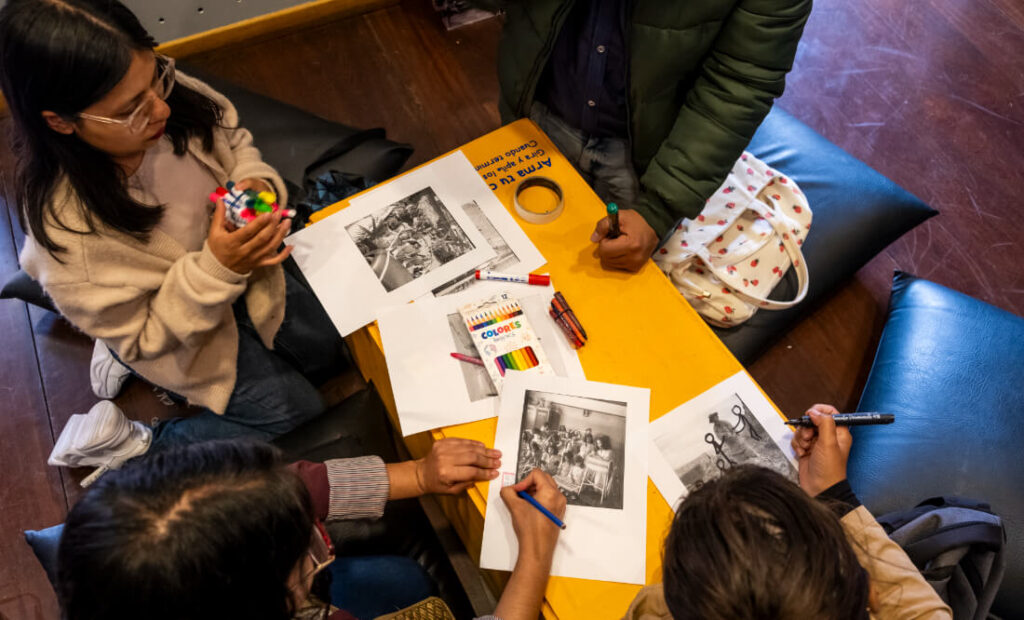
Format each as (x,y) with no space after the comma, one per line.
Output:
(223,529)
(117,153)
(753,545)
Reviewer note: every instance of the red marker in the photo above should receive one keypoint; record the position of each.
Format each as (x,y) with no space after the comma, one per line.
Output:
(533,278)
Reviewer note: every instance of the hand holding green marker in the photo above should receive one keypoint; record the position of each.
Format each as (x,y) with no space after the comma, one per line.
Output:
(613,221)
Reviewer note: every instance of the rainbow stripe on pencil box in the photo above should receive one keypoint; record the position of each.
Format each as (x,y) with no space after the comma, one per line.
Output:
(520,359)
(490,317)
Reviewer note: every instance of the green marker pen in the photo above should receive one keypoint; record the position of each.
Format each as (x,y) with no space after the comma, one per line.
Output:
(613,218)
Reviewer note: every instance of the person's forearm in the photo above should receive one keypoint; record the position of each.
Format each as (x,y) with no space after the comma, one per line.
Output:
(525,589)
(404,480)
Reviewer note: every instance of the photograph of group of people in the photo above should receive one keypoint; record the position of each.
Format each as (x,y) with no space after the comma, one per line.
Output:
(580,442)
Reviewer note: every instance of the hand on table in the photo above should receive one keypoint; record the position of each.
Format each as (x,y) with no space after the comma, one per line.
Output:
(454,464)
(821,451)
(242,250)
(631,249)
(536,533)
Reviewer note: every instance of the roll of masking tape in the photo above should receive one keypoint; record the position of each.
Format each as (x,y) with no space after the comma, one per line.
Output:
(531,215)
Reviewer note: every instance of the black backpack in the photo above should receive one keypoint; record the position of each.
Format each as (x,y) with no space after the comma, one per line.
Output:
(957,544)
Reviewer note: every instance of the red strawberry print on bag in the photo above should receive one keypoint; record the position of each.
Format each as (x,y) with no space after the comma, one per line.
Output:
(731,269)
(754,282)
(722,251)
(684,243)
(719,239)
(728,309)
(799,241)
(777,271)
(700,218)
(730,205)
(754,262)
(743,157)
(726,290)
(750,171)
(797,209)
(728,190)
(776,197)
(721,222)
(739,227)
(769,172)
(751,188)
(725,319)
(663,251)
(783,180)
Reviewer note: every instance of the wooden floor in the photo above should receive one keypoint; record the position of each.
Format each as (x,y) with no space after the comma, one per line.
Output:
(931,93)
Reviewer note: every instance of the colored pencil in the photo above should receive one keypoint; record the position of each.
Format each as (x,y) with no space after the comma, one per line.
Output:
(467,358)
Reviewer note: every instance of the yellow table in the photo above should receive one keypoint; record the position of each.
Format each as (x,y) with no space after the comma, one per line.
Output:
(642,333)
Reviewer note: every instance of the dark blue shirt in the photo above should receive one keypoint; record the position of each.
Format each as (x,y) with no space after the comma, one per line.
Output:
(585,80)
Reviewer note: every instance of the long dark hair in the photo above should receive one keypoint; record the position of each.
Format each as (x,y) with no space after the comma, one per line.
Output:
(208,530)
(753,545)
(63,56)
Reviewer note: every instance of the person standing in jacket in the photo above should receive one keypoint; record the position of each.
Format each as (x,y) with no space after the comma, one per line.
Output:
(652,100)
(118,154)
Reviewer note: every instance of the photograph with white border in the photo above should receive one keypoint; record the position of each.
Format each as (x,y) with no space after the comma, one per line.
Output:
(355,278)
(598,542)
(730,424)
(432,389)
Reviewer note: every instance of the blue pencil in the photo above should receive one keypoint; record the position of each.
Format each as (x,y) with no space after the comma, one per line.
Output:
(547,513)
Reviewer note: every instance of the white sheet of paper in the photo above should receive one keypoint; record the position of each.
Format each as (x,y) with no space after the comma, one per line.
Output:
(394,244)
(687,449)
(432,389)
(514,252)
(605,538)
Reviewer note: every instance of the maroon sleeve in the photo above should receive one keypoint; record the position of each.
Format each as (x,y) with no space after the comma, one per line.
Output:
(314,475)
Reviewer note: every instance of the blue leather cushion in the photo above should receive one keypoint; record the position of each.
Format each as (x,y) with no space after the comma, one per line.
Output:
(951,368)
(857,213)
(44,544)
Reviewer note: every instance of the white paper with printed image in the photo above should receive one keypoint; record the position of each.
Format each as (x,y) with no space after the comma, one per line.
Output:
(730,424)
(432,389)
(592,439)
(395,243)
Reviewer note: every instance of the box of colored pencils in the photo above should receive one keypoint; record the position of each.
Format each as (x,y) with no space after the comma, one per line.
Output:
(503,337)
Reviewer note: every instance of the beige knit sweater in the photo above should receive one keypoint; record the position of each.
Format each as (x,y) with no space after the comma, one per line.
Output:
(166,312)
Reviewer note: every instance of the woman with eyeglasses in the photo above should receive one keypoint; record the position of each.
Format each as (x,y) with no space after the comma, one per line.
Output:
(223,529)
(117,154)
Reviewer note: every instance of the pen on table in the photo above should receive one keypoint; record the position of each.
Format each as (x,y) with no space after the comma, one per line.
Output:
(613,221)
(540,279)
(547,513)
(572,315)
(566,329)
(847,419)
(467,358)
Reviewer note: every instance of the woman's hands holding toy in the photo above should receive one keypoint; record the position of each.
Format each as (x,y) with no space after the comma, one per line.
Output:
(256,245)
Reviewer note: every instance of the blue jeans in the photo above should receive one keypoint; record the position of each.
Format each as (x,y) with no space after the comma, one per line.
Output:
(604,163)
(371,586)
(273,393)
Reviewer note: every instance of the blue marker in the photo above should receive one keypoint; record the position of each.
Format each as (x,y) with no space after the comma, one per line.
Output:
(547,513)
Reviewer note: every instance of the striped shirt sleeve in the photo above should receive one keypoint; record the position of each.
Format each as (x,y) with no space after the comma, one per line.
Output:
(359,488)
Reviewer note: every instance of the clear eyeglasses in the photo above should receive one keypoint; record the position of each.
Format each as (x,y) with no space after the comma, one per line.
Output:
(136,120)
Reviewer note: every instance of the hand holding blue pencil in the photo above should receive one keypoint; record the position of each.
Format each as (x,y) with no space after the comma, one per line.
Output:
(542,493)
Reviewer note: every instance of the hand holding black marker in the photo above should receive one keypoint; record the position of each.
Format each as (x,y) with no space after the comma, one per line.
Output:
(847,419)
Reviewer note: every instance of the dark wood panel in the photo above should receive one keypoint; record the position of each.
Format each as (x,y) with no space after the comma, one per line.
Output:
(31,496)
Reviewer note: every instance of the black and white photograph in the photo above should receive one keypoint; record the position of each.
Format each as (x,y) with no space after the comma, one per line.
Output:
(409,238)
(504,256)
(716,439)
(580,441)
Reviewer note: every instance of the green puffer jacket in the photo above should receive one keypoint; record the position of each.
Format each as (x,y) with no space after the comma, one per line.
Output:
(703,75)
